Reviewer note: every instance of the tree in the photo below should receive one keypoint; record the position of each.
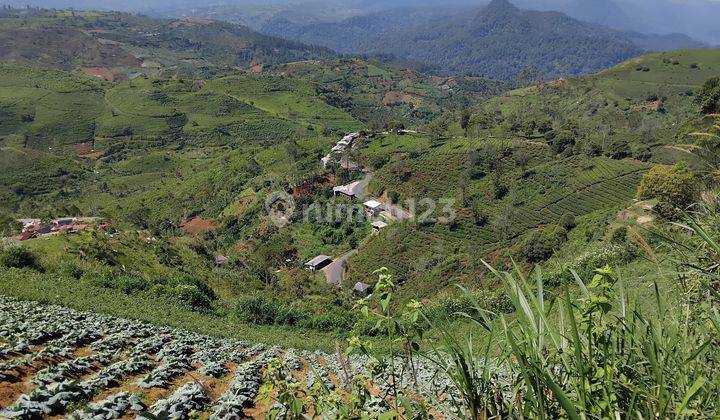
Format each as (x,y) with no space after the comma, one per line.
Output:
(465,120)
(567,221)
(544,126)
(529,127)
(8,225)
(394,126)
(16,256)
(522,160)
(676,185)
(560,140)
(709,96)
(541,243)
(438,128)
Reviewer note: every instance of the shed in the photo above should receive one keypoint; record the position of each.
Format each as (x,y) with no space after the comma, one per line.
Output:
(362,289)
(373,207)
(318,262)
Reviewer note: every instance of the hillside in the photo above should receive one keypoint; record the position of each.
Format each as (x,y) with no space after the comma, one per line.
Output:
(378,93)
(602,133)
(498,41)
(120,45)
(162,155)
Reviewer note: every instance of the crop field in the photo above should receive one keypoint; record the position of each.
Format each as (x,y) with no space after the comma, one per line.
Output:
(551,188)
(59,362)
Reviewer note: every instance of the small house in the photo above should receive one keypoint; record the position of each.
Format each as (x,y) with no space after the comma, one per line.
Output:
(318,263)
(373,207)
(377,226)
(347,190)
(362,289)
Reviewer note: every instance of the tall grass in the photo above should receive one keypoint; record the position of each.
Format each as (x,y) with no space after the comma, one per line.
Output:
(598,354)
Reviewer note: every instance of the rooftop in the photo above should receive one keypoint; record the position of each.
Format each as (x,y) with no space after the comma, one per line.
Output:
(318,260)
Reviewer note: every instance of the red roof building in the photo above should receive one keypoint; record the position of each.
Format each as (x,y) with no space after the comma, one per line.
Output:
(26,235)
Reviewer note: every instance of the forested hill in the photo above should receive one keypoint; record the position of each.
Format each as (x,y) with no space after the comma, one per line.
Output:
(120,41)
(499,41)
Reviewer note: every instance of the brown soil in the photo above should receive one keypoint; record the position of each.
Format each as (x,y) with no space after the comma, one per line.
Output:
(244,204)
(99,72)
(394,98)
(84,147)
(198,226)
(646,106)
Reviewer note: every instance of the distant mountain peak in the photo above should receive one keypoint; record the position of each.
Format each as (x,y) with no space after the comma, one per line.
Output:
(500,7)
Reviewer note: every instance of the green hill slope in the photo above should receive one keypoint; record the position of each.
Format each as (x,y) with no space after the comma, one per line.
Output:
(126,44)
(536,156)
(183,166)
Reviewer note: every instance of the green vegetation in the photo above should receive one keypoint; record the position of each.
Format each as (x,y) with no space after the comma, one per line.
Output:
(498,41)
(597,351)
(181,161)
(674,186)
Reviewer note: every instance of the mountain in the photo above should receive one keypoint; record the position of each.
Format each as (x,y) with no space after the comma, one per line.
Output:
(499,41)
(695,18)
(359,33)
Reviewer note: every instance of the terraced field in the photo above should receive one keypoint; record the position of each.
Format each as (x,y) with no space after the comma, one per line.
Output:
(59,362)
(559,186)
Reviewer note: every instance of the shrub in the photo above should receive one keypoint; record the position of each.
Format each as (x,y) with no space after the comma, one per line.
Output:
(129,284)
(541,243)
(185,291)
(567,221)
(70,268)
(675,185)
(17,256)
(261,310)
(619,235)
(561,140)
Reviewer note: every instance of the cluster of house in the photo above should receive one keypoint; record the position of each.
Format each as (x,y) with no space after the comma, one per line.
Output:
(344,144)
(321,261)
(32,228)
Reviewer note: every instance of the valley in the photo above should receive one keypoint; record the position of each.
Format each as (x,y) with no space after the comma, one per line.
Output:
(199,220)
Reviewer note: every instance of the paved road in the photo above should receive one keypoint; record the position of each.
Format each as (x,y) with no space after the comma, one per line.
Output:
(334,271)
(360,187)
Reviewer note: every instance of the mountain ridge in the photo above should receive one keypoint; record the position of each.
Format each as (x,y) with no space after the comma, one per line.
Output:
(499,41)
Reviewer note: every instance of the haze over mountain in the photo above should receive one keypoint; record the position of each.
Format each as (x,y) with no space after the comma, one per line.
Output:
(697,18)
(497,41)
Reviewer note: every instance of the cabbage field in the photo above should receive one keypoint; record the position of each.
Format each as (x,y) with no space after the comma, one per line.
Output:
(59,362)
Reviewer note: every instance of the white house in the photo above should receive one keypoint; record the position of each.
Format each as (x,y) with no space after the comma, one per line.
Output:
(318,262)
(373,207)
